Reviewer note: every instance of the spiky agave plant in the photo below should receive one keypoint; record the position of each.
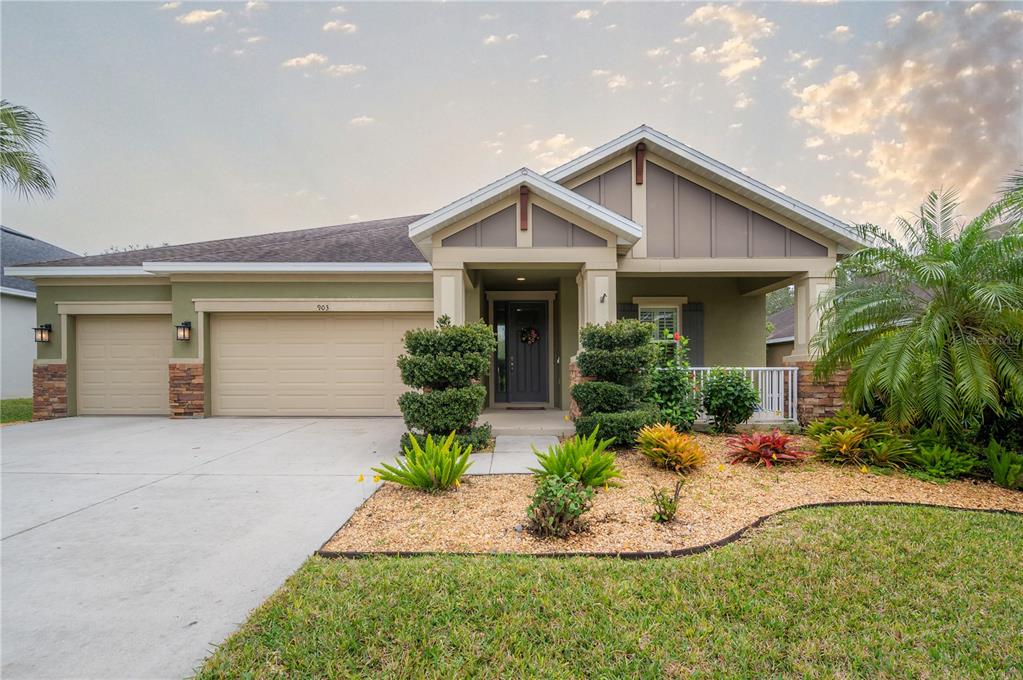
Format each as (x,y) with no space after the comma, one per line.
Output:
(931,325)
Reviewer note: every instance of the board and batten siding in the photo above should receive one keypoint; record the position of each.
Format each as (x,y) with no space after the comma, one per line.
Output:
(687,220)
(612,189)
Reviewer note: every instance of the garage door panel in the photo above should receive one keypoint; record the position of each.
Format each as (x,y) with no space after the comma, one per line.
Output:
(321,364)
(122,364)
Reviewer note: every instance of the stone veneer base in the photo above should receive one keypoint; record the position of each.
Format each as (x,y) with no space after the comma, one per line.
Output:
(187,389)
(49,391)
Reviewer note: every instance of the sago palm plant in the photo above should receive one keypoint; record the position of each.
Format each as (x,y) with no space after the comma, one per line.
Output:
(22,171)
(931,325)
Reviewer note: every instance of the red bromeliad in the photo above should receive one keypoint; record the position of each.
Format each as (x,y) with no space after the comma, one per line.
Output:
(768,448)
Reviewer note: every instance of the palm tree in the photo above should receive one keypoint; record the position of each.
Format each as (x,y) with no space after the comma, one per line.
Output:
(22,171)
(931,326)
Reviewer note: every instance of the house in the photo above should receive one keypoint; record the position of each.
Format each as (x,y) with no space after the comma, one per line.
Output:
(782,337)
(310,322)
(18,310)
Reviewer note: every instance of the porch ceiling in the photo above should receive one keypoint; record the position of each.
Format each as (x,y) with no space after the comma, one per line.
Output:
(507,279)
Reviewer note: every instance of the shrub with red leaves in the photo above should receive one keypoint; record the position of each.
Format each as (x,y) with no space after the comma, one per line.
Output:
(768,448)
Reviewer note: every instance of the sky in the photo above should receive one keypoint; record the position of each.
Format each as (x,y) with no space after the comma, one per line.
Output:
(174,121)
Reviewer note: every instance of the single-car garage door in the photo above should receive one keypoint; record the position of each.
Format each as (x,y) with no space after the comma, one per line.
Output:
(122,364)
(308,364)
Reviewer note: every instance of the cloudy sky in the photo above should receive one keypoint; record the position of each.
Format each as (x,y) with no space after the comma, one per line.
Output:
(182,121)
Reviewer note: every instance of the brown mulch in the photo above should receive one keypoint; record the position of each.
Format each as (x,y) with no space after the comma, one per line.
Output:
(488,513)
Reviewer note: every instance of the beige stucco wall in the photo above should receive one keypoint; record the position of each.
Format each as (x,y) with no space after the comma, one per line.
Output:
(778,351)
(734,325)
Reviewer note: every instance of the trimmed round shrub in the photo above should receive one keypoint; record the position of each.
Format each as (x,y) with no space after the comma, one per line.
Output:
(442,370)
(624,334)
(436,411)
(473,338)
(729,398)
(479,438)
(623,426)
(623,366)
(601,397)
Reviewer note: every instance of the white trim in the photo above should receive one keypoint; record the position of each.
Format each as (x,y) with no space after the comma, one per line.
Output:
(690,158)
(115,307)
(28,272)
(314,305)
(777,341)
(622,227)
(17,292)
(660,301)
(285,267)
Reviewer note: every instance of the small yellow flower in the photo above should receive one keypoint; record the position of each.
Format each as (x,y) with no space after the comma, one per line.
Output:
(458,483)
(863,469)
(376,479)
(567,418)
(605,486)
(361,479)
(774,456)
(721,467)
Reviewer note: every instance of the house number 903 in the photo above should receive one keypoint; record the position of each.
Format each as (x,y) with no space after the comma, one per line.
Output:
(322,308)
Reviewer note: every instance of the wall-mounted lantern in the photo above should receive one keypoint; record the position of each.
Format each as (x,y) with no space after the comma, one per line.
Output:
(184,331)
(42,333)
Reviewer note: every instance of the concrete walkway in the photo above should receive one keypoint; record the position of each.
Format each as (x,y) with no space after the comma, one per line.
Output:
(132,546)
(512,454)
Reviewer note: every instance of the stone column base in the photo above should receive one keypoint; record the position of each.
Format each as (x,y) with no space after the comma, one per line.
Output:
(817,399)
(575,377)
(49,391)
(187,390)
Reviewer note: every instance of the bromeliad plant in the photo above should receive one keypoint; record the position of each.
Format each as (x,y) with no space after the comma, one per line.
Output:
(667,448)
(581,457)
(431,467)
(765,448)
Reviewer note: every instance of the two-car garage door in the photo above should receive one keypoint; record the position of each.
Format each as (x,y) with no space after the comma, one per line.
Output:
(326,364)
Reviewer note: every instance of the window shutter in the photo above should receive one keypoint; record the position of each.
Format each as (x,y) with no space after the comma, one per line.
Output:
(628,311)
(692,329)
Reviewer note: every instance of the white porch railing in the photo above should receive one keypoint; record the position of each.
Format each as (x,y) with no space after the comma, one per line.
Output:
(777,387)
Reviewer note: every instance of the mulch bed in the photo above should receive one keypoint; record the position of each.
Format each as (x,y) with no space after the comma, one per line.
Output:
(487,514)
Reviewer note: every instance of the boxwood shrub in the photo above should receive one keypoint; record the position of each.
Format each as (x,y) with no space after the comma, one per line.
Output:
(623,426)
(624,366)
(478,437)
(442,370)
(601,397)
(438,411)
(624,334)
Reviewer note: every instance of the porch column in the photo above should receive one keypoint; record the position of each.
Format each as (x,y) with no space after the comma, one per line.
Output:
(598,294)
(449,294)
(809,290)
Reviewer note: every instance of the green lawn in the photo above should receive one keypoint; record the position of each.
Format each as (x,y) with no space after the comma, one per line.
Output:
(13,410)
(848,592)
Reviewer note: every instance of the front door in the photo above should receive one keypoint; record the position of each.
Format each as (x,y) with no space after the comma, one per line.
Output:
(524,376)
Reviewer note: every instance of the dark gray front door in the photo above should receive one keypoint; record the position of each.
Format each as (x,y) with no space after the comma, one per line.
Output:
(527,343)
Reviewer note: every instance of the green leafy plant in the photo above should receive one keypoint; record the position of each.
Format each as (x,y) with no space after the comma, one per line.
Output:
(1006,466)
(479,438)
(22,135)
(437,466)
(598,396)
(729,398)
(940,462)
(456,408)
(622,334)
(846,418)
(622,427)
(581,457)
(928,324)
(667,448)
(557,506)
(666,503)
(844,445)
(888,451)
(765,448)
(671,386)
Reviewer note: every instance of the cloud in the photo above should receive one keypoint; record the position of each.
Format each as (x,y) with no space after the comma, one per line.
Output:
(929,18)
(255,39)
(738,54)
(977,8)
(496,146)
(657,52)
(341,70)
(311,59)
(893,20)
(840,33)
(584,14)
(611,27)
(617,81)
(339,9)
(813,142)
(340,26)
(735,126)
(540,57)
(200,16)
(930,109)
(170,5)
(829,200)
(498,39)
(555,150)
(256,5)
(489,17)
(742,101)
(361,121)
(597,72)
(824,157)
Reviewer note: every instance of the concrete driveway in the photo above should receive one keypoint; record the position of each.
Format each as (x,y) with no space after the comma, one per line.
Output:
(131,546)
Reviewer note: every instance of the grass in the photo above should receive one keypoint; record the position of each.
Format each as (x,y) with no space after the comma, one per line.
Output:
(15,410)
(848,592)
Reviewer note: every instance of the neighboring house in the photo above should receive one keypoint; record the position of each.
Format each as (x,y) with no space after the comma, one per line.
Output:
(782,338)
(18,310)
(310,322)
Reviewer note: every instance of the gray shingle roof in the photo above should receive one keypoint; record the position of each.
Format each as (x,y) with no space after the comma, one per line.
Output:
(19,248)
(784,321)
(374,241)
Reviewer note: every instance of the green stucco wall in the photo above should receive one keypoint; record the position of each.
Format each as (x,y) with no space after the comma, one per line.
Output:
(734,325)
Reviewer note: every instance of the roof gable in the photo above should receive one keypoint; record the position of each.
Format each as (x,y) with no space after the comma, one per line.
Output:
(717,172)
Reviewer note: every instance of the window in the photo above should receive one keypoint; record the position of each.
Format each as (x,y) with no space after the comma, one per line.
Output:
(664,319)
